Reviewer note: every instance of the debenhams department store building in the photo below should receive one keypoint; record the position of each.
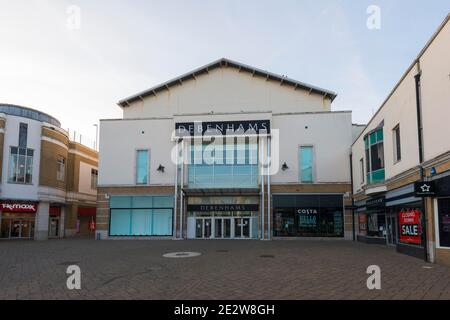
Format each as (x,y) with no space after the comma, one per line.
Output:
(189,159)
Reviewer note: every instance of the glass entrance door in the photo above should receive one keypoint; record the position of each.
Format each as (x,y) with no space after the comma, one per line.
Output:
(53,230)
(242,228)
(391,230)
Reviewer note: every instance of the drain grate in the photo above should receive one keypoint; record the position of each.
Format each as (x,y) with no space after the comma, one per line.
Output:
(267,256)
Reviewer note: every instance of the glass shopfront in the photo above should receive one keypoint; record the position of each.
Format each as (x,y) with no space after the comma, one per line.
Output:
(444,222)
(233,217)
(141,215)
(308,215)
(17,226)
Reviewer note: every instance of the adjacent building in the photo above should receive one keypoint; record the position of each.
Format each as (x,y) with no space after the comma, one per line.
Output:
(48,182)
(401,161)
(189,160)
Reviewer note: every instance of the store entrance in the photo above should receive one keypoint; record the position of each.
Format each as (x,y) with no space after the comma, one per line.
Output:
(16,229)
(392,234)
(223,228)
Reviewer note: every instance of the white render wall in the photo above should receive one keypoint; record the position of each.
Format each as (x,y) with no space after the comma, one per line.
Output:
(435,64)
(120,139)
(330,133)
(21,191)
(227,90)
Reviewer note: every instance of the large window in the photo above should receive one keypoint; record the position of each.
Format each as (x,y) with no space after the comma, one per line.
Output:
(308,216)
(20,165)
(142,166)
(60,168)
(141,215)
(220,164)
(306,163)
(397,144)
(374,156)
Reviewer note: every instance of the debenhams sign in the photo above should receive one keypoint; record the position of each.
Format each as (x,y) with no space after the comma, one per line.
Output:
(185,129)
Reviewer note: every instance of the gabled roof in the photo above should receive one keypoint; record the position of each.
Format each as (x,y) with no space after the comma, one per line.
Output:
(223,62)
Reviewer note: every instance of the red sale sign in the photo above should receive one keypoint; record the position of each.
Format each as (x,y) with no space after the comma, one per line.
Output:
(410,226)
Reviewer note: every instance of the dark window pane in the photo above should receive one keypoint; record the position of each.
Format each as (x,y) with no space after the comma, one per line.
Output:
(23,132)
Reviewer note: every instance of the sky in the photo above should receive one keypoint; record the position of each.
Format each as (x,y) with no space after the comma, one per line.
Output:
(76,59)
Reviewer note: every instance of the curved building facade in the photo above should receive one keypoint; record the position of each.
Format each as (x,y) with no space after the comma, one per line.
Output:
(45,177)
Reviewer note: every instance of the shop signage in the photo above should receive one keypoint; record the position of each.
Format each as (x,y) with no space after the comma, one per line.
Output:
(424,189)
(185,129)
(376,203)
(222,207)
(307,217)
(18,207)
(409,222)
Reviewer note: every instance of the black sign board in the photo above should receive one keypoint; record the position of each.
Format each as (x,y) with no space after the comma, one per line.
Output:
(186,129)
(424,189)
(222,207)
(379,202)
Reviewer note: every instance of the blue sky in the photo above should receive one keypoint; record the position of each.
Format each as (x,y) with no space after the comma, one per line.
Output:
(124,47)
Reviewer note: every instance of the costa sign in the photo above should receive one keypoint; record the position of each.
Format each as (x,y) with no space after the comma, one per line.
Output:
(410,227)
(18,207)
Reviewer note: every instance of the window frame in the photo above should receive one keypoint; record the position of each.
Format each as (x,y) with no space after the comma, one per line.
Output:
(60,175)
(27,159)
(397,143)
(313,163)
(136,166)
(94,185)
(362,172)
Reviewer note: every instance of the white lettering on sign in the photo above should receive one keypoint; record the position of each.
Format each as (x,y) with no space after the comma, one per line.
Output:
(19,206)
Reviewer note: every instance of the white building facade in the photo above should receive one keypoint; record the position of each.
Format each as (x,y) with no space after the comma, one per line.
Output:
(226,151)
(404,146)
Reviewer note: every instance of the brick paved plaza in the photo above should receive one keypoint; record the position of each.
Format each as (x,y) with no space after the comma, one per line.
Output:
(225,270)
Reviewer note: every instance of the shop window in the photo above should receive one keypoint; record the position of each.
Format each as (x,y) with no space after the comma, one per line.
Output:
(20,165)
(374,150)
(376,224)
(60,168)
(306,164)
(142,166)
(94,178)
(444,222)
(397,144)
(141,215)
(308,216)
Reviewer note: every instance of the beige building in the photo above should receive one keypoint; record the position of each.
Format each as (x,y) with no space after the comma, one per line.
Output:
(405,145)
(48,182)
(224,189)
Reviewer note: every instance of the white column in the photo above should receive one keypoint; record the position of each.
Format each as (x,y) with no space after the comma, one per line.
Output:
(42,221)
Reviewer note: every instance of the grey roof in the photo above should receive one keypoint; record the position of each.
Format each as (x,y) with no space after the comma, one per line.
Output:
(224,62)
